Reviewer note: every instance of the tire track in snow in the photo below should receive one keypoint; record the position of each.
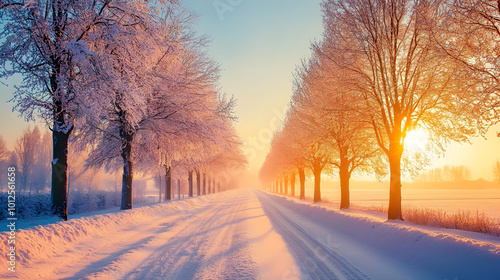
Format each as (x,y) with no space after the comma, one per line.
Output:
(318,260)
(209,244)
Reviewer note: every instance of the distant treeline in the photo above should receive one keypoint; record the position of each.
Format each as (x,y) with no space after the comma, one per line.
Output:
(448,173)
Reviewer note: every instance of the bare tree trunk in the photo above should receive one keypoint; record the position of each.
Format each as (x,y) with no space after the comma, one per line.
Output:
(168,183)
(60,133)
(127,185)
(190,179)
(178,189)
(128,165)
(204,183)
(302,179)
(292,184)
(285,180)
(159,180)
(317,181)
(172,188)
(209,189)
(59,191)
(198,183)
(344,184)
(395,154)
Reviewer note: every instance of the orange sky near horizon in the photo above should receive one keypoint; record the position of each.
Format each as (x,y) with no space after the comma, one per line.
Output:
(258,45)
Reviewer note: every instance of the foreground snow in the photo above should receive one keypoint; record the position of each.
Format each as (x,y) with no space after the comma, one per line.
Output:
(381,249)
(221,236)
(245,234)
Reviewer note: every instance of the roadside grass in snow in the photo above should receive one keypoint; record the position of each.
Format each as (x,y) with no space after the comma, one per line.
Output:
(463,219)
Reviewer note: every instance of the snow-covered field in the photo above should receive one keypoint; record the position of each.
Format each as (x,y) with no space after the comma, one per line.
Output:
(450,200)
(248,234)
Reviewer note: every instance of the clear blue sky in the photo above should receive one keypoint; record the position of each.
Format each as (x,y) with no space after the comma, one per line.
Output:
(258,44)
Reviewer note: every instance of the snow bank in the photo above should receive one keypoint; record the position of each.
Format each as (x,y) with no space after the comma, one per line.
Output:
(442,253)
(44,242)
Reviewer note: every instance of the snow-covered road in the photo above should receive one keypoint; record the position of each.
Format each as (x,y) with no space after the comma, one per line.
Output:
(247,234)
(318,259)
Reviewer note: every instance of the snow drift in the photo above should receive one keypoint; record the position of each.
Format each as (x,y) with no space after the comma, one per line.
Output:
(46,241)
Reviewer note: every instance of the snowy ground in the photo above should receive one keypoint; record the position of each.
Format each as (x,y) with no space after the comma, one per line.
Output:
(486,200)
(246,234)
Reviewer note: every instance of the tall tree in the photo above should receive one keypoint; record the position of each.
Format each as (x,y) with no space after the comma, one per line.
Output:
(4,150)
(406,80)
(469,34)
(163,106)
(27,152)
(496,172)
(4,161)
(40,176)
(314,139)
(321,94)
(45,41)
(133,102)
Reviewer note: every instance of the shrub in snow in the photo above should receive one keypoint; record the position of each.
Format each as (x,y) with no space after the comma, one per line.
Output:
(463,219)
(27,206)
(38,205)
(83,201)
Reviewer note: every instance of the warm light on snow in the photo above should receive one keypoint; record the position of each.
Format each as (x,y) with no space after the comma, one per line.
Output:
(166,110)
(245,234)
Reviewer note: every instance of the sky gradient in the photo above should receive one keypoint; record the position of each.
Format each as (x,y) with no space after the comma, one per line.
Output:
(258,44)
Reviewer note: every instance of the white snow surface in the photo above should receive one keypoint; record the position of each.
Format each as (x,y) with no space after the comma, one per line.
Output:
(248,234)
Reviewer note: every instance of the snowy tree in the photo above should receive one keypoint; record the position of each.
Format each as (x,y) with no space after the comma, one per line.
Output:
(40,174)
(469,34)
(46,42)
(405,78)
(33,152)
(322,93)
(229,163)
(192,137)
(496,172)
(308,148)
(163,107)
(4,150)
(295,153)
(287,155)
(128,54)
(4,161)
(456,173)
(27,152)
(217,153)
(313,138)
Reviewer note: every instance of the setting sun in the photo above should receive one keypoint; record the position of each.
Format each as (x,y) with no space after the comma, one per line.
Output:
(224,139)
(416,140)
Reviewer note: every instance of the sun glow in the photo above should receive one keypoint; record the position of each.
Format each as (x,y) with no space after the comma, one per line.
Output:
(416,140)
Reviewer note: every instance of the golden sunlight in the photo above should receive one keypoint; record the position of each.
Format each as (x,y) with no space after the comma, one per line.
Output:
(416,140)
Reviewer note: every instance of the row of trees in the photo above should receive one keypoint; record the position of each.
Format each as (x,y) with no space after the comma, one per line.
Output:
(446,174)
(496,172)
(129,81)
(382,69)
(30,155)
